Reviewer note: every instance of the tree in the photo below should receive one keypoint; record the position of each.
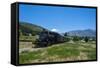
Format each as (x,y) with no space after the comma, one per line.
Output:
(66,39)
(76,38)
(66,34)
(81,38)
(86,39)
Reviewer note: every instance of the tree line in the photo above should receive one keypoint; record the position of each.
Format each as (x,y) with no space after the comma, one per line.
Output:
(78,38)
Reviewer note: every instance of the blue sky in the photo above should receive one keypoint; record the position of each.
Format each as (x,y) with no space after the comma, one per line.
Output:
(59,19)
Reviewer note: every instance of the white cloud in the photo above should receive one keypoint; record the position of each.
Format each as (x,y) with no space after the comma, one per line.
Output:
(54,30)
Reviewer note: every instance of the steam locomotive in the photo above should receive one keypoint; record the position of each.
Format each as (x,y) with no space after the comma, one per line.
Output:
(47,38)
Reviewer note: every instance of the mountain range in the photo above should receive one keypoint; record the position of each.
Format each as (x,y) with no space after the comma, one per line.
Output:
(83,33)
(26,28)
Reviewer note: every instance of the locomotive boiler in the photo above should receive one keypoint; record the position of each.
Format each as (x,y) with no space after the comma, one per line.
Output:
(47,38)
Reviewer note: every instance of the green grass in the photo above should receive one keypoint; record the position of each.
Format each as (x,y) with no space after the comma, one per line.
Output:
(26,57)
(60,52)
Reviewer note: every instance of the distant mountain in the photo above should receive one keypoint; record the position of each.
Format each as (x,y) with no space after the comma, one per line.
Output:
(28,28)
(82,33)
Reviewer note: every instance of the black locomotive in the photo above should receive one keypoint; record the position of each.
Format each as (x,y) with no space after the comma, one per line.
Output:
(47,38)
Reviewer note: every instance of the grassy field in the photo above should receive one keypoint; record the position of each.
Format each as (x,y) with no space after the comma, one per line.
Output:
(59,52)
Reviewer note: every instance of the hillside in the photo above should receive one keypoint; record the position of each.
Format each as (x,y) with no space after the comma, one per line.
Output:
(28,28)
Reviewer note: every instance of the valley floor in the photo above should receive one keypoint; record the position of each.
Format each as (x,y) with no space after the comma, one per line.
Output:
(67,51)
